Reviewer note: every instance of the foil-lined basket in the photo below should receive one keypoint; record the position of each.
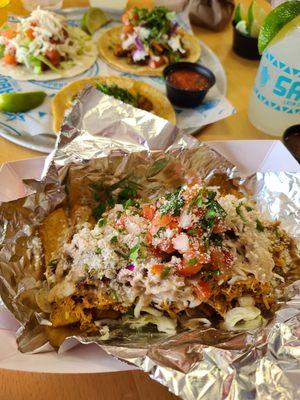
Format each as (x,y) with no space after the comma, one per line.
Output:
(103,141)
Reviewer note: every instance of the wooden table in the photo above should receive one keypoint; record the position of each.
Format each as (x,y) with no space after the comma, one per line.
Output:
(135,385)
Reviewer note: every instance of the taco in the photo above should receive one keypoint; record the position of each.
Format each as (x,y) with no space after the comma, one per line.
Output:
(147,42)
(130,91)
(43,47)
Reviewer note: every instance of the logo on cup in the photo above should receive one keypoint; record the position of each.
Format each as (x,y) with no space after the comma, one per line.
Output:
(278,85)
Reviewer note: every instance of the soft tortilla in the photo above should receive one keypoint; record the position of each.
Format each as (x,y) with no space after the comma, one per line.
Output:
(111,37)
(63,99)
(81,64)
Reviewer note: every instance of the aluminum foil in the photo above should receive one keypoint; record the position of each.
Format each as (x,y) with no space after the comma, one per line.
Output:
(104,140)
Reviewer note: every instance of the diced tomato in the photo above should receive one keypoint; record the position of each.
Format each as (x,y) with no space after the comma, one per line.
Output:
(165,220)
(157,269)
(10,59)
(34,23)
(219,226)
(221,259)
(121,222)
(149,237)
(53,56)
(166,246)
(148,211)
(202,290)
(128,29)
(192,263)
(129,16)
(9,33)
(30,33)
(156,64)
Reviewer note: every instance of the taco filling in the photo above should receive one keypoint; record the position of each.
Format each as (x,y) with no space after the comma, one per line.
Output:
(150,37)
(43,41)
(193,254)
(136,100)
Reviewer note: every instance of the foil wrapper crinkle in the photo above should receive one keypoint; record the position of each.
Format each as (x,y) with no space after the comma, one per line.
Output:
(104,140)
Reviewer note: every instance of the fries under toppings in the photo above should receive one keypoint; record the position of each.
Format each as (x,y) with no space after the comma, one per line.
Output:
(192,251)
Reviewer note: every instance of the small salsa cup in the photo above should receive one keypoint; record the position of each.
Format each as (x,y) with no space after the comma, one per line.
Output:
(186,97)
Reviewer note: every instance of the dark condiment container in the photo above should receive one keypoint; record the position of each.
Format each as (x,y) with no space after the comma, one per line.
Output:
(291,139)
(187,98)
(244,45)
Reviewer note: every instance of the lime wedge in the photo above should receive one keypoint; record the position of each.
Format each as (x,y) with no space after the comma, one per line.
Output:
(256,17)
(240,13)
(21,101)
(93,19)
(276,20)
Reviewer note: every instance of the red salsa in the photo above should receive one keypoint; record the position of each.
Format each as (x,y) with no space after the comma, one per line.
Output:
(188,80)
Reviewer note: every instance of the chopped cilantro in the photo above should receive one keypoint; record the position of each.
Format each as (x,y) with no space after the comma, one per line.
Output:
(259,225)
(86,267)
(214,272)
(157,21)
(102,222)
(130,312)
(118,93)
(192,261)
(98,250)
(114,239)
(213,210)
(159,231)
(165,272)
(125,190)
(134,252)
(126,194)
(2,49)
(208,274)
(92,272)
(249,208)
(121,254)
(239,212)
(210,196)
(131,203)
(173,204)
(192,232)
(98,211)
(211,213)
(114,295)
(198,199)
(216,239)
(53,263)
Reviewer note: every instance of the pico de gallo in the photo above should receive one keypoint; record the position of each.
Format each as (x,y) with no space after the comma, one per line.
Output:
(151,37)
(41,42)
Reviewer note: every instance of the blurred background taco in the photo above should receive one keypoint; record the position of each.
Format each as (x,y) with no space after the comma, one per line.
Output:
(147,42)
(44,47)
(130,91)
